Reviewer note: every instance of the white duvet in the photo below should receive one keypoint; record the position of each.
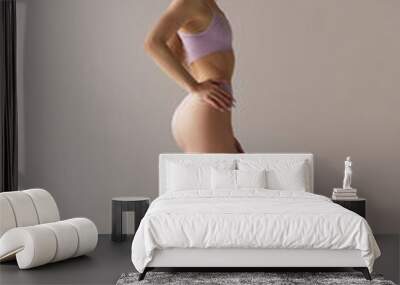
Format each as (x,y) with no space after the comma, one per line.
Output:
(251,218)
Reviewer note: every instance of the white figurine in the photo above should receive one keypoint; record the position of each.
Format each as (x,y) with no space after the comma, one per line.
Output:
(347,174)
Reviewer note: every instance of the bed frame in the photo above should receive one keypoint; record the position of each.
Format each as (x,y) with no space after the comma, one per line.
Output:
(246,259)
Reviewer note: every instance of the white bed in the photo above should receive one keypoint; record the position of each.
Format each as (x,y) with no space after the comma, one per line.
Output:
(250,227)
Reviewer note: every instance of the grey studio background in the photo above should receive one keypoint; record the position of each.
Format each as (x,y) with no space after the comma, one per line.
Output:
(312,76)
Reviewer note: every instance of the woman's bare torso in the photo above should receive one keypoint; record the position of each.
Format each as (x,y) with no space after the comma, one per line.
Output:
(217,66)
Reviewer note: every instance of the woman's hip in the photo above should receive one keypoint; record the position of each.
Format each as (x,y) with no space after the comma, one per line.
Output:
(195,116)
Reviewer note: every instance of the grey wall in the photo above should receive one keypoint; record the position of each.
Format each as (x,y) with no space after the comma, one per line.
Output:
(312,76)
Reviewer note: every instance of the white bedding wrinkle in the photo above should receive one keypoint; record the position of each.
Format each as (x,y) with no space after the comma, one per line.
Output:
(250,218)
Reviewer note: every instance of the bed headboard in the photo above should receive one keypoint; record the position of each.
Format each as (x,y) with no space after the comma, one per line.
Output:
(164,157)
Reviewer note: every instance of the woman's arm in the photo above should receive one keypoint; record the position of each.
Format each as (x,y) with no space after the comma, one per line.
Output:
(156,44)
(177,14)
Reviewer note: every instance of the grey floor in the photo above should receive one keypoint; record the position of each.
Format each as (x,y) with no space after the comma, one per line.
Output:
(110,260)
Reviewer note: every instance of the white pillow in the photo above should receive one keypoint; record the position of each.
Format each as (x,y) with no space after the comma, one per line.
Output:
(281,174)
(251,178)
(188,175)
(223,179)
(237,179)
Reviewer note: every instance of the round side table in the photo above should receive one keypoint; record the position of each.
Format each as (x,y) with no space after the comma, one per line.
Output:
(139,205)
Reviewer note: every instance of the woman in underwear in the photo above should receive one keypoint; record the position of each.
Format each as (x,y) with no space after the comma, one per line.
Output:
(192,43)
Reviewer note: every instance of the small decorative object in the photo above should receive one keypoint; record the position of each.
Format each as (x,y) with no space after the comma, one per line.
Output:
(347,173)
(347,192)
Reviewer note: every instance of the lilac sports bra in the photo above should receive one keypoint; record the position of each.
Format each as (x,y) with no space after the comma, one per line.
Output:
(217,37)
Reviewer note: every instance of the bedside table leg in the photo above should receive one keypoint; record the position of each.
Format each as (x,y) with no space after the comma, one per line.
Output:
(116,222)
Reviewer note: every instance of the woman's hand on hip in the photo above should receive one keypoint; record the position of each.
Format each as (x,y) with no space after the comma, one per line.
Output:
(211,92)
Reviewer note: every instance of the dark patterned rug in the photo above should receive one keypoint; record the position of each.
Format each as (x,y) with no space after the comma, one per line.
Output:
(269,278)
